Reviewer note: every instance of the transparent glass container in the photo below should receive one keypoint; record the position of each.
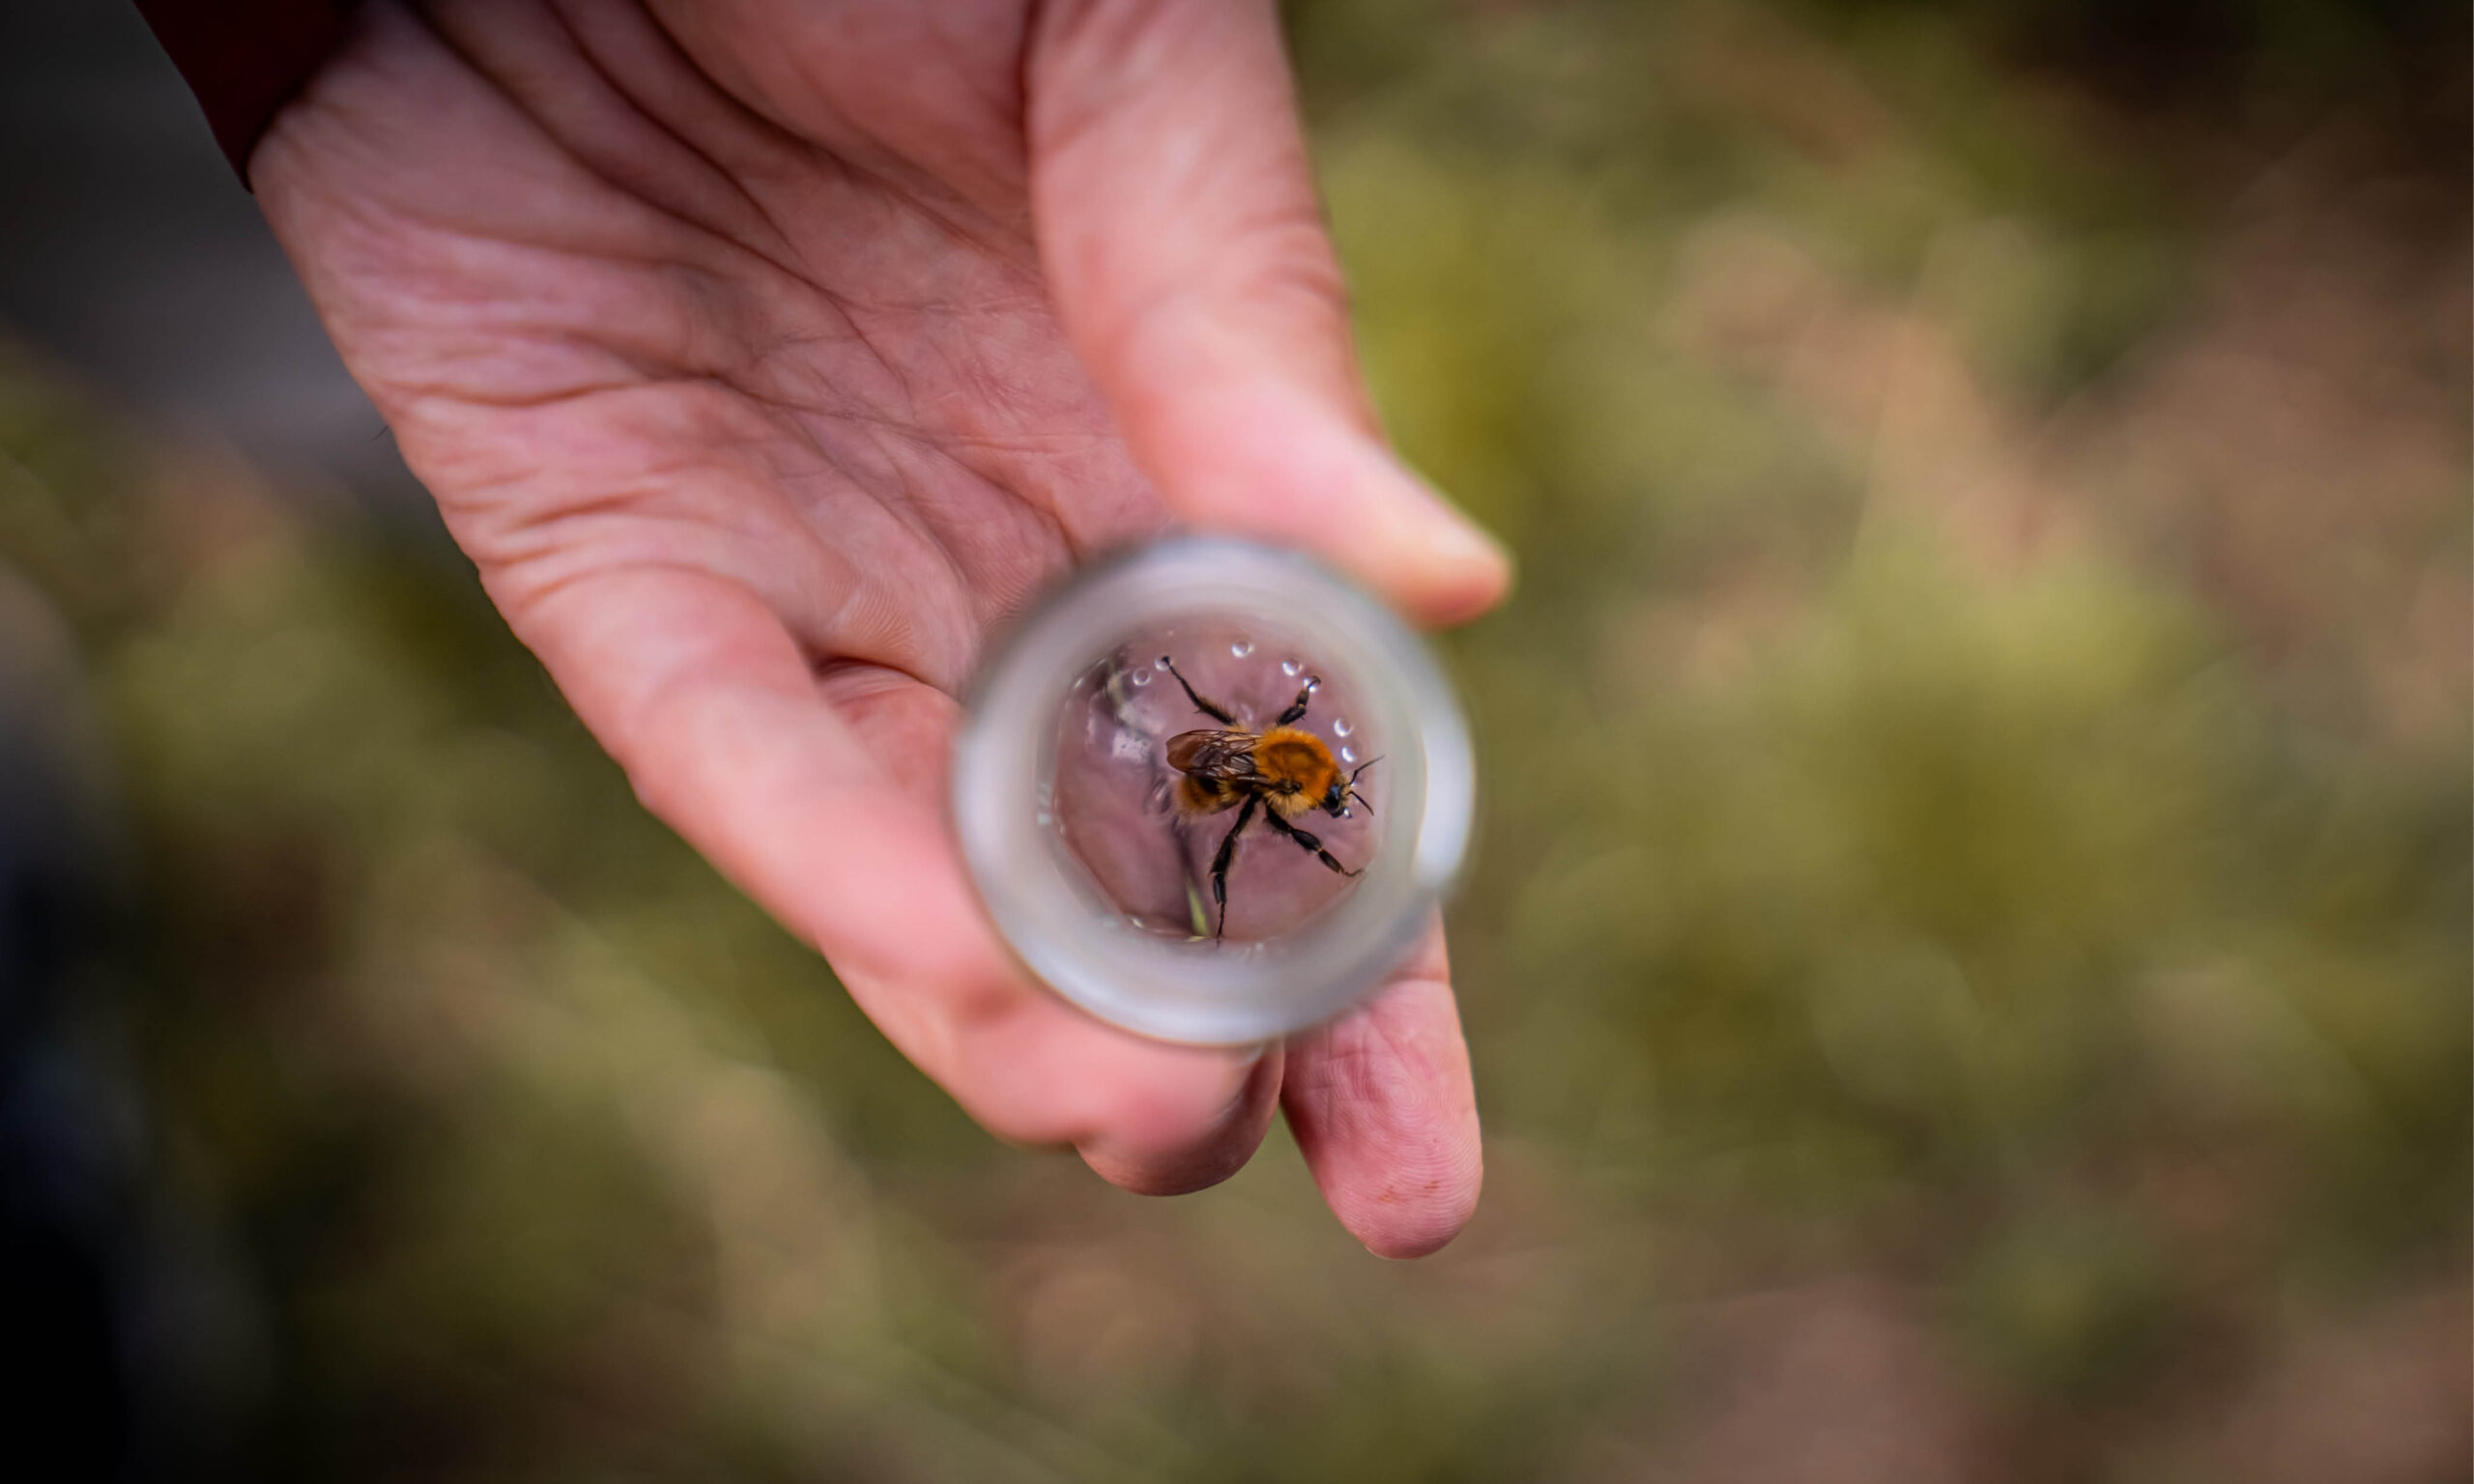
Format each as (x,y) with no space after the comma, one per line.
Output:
(1094,852)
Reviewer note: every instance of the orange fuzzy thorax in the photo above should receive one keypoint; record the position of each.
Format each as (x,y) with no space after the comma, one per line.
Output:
(1297,767)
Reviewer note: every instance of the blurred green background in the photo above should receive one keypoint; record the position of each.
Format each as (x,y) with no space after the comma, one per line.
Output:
(1968,964)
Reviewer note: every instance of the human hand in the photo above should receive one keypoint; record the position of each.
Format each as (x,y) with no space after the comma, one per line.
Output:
(763,354)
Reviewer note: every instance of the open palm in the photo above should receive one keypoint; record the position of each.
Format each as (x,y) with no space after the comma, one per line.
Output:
(761,355)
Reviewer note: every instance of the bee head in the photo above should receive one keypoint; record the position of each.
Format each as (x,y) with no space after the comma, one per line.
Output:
(1342,794)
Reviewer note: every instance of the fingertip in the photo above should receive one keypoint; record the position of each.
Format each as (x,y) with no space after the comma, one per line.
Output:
(1271,460)
(1424,553)
(1383,1110)
(1401,1230)
(1464,571)
(1153,1157)
(1042,1073)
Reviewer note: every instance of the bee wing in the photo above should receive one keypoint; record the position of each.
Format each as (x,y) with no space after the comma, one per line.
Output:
(1213,753)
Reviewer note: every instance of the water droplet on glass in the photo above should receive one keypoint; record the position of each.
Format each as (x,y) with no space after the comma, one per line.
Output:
(1141,677)
(1241,648)
(1341,726)
(1348,755)
(1161,663)
(1290,668)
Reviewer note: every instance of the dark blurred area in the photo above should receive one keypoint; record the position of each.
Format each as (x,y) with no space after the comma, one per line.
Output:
(131,252)
(1969,960)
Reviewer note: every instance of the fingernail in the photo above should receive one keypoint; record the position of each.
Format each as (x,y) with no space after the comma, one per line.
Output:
(1472,571)
(1462,544)
(1454,540)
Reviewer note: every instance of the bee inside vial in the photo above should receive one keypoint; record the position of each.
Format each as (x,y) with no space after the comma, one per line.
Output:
(1281,773)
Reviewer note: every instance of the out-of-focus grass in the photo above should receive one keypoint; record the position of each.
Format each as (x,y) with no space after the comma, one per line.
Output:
(1968,965)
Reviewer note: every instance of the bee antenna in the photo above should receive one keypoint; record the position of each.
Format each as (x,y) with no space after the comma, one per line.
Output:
(1359,798)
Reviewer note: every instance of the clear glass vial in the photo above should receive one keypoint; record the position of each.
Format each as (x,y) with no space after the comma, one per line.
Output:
(1094,855)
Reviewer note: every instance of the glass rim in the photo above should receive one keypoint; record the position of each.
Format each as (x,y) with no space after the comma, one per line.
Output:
(1209,993)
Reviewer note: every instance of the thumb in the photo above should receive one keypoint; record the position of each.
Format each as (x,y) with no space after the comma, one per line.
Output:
(1179,228)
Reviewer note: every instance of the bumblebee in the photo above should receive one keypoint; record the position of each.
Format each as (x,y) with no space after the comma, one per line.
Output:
(1281,773)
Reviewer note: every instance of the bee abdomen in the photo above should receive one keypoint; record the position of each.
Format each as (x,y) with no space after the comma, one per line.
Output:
(1204,795)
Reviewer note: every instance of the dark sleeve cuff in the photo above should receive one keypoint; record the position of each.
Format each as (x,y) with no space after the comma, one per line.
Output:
(245,59)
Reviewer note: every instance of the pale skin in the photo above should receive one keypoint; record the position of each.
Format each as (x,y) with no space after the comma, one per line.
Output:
(763,354)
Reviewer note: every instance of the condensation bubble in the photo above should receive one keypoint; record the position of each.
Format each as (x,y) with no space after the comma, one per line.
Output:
(1290,668)
(1141,677)
(1341,726)
(1348,755)
(1241,648)
(1161,663)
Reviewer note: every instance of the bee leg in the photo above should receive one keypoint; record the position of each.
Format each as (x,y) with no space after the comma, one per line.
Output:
(1297,708)
(1309,844)
(1219,864)
(1215,711)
